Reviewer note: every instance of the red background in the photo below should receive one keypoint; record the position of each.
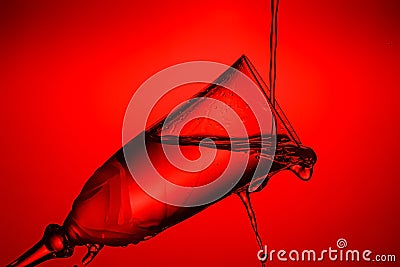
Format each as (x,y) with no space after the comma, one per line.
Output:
(69,68)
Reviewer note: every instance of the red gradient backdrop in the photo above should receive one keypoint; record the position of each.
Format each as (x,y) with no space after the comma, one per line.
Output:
(69,68)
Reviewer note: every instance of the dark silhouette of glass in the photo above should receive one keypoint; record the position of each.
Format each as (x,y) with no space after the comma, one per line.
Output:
(112,210)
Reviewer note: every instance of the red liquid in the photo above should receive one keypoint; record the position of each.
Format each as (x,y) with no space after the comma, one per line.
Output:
(113,210)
